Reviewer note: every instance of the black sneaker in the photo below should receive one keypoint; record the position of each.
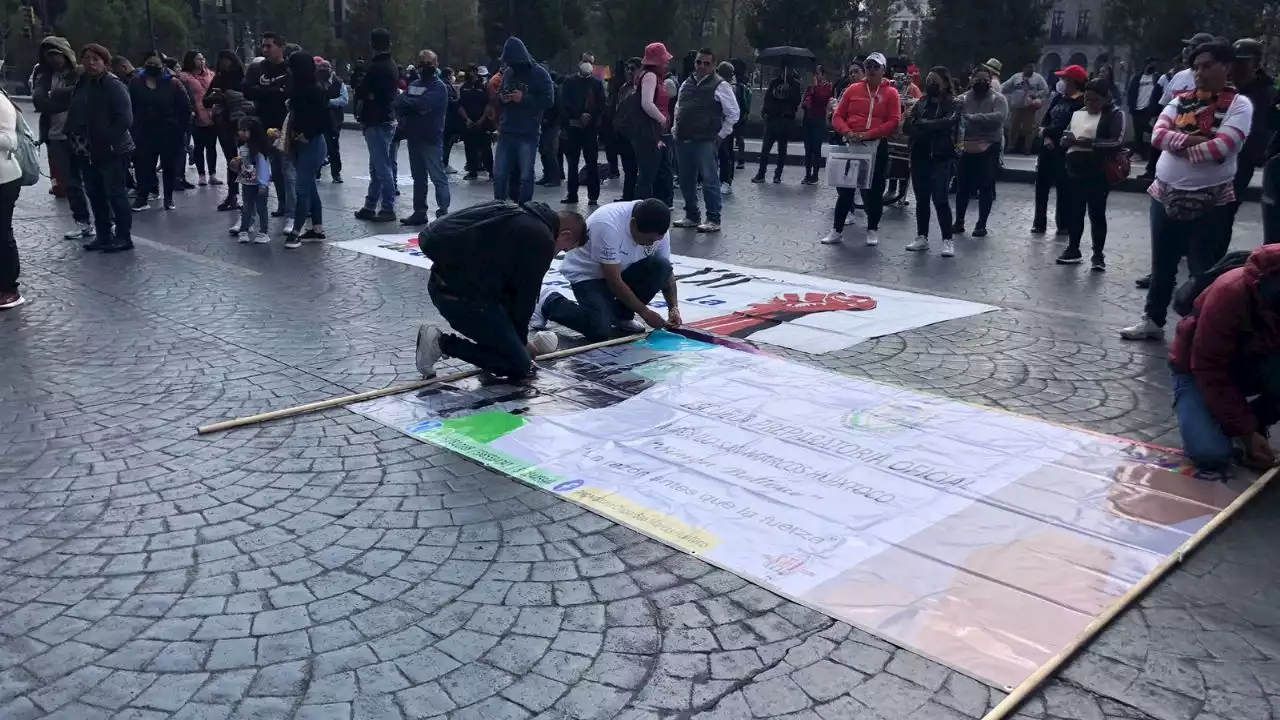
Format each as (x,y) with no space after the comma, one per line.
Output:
(229,204)
(958,228)
(1070,257)
(980,231)
(1143,283)
(414,219)
(1098,264)
(337,178)
(471,175)
(740,166)
(118,245)
(141,203)
(758,179)
(593,202)
(281,212)
(1038,229)
(777,179)
(569,200)
(542,182)
(384,216)
(168,205)
(365,214)
(312,234)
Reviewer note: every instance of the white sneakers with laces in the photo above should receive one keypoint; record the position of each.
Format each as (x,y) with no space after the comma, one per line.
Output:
(427,352)
(538,321)
(1145,330)
(835,237)
(543,342)
(873,238)
(920,244)
(948,248)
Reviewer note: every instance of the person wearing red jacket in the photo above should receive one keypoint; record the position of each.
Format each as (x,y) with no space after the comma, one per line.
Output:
(869,111)
(1224,353)
(816,98)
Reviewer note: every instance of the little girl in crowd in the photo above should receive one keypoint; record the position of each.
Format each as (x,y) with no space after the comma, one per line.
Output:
(253,168)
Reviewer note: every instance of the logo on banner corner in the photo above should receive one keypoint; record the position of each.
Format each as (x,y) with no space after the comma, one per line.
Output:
(890,416)
(425,426)
(568,486)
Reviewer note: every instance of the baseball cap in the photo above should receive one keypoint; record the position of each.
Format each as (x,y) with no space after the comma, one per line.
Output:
(879,58)
(1199,38)
(1074,73)
(1248,49)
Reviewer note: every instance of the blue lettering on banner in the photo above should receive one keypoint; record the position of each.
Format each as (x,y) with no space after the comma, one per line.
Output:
(568,485)
(708,300)
(425,426)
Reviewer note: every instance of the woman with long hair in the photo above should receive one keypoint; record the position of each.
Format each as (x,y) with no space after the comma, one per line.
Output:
(204,138)
(1094,136)
(252,166)
(308,125)
(227,105)
(933,128)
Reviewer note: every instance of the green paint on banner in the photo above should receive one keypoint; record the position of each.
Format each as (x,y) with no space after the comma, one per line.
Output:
(484,427)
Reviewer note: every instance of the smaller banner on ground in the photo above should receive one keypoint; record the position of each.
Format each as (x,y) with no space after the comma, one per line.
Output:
(802,312)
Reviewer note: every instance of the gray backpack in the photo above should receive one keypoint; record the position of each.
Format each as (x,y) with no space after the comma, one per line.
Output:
(25,151)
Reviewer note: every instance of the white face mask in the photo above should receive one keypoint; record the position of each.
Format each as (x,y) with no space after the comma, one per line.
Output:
(585,68)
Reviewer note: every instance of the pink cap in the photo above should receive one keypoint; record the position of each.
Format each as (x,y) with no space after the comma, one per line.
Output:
(656,54)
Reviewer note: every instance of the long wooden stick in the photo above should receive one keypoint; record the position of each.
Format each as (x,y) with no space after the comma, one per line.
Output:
(1032,683)
(393,390)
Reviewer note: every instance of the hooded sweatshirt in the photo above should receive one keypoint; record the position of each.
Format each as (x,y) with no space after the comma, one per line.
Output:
(524,119)
(502,260)
(1223,344)
(160,114)
(51,92)
(266,85)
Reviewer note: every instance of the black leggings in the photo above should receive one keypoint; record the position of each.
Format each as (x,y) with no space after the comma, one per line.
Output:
(929,179)
(205,152)
(977,170)
(227,141)
(872,197)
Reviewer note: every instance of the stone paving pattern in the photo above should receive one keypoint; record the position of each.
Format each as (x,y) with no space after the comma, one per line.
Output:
(328,567)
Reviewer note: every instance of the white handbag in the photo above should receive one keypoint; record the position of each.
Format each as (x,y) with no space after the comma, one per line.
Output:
(852,166)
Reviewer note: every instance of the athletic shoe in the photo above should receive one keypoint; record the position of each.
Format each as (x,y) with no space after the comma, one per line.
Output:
(685,223)
(11,300)
(726,188)
(312,234)
(543,342)
(292,242)
(1098,264)
(835,237)
(1070,257)
(1143,283)
(261,238)
(1145,330)
(82,231)
(427,353)
(384,216)
(948,248)
(958,228)
(630,327)
(141,203)
(229,204)
(873,238)
(235,230)
(758,179)
(1038,229)
(538,321)
(921,243)
(213,180)
(244,237)
(980,231)
(569,200)
(709,227)
(202,181)
(415,219)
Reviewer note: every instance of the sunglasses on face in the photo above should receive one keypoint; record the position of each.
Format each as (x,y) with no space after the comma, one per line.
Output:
(872,66)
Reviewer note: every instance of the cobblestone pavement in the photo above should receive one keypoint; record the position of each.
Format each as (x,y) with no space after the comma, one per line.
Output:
(328,567)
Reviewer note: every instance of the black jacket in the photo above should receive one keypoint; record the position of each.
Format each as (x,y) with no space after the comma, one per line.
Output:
(580,95)
(266,85)
(782,100)
(933,128)
(494,252)
(100,116)
(1058,116)
(1261,91)
(309,110)
(377,91)
(161,115)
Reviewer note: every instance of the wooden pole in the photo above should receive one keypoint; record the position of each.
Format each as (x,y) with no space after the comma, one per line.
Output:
(1032,683)
(393,390)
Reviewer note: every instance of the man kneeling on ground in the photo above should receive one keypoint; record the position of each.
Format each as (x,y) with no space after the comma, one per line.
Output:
(624,263)
(1227,351)
(488,262)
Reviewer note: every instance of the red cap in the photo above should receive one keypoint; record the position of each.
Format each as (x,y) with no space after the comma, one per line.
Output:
(1074,73)
(656,54)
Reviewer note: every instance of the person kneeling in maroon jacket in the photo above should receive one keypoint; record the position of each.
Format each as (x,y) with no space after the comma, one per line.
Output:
(1226,366)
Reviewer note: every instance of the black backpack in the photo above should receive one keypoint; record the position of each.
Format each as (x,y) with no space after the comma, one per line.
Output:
(1184,298)
(447,232)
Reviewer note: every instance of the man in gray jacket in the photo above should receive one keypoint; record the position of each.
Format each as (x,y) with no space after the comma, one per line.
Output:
(983,113)
(1026,93)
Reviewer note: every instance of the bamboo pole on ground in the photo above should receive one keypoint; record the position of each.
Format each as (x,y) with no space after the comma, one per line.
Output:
(1032,683)
(393,390)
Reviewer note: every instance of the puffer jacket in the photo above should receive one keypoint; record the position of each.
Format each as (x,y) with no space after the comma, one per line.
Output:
(933,128)
(1223,343)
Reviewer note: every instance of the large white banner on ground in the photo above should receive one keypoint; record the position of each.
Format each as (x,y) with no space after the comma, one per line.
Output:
(801,312)
(985,540)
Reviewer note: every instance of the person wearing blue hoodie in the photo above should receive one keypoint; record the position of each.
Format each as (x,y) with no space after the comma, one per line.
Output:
(526,94)
(421,109)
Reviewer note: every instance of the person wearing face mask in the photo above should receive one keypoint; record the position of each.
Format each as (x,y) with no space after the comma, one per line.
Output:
(473,103)
(933,128)
(581,104)
(984,112)
(1144,105)
(525,93)
(98,128)
(1094,135)
(421,109)
(161,114)
(1051,164)
(869,111)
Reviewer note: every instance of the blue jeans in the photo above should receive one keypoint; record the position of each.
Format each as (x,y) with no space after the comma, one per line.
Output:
(425,161)
(1203,439)
(308,158)
(697,160)
(255,201)
(596,310)
(382,179)
(513,158)
(1200,240)
(496,345)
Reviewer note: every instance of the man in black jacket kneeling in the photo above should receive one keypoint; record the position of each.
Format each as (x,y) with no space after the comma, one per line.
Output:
(488,262)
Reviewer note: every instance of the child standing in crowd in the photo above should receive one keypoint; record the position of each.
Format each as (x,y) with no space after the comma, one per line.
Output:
(253,169)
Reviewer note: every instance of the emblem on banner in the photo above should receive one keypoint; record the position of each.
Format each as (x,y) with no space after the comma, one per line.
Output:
(890,416)
(781,309)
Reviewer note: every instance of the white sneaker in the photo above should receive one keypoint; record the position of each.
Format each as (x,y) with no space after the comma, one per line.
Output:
(261,238)
(538,321)
(1145,330)
(543,342)
(921,243)
(726,189)
(631,327)
(873,238)
(428,350)
(948,248)
(835,237)
(83,230)
(235,231)
(244,237)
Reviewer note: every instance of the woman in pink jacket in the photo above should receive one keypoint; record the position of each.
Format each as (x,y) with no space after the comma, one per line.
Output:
(197,76)
(869,111)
